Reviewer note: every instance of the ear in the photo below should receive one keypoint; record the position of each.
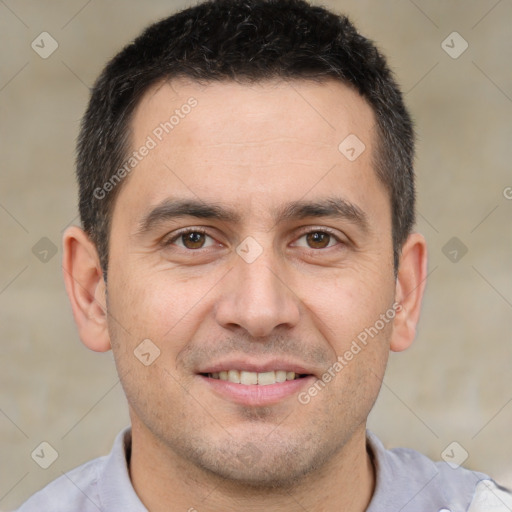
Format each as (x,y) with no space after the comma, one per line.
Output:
(410,285)
(86,289)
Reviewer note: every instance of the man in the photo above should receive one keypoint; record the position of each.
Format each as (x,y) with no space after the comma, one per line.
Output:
(247,200)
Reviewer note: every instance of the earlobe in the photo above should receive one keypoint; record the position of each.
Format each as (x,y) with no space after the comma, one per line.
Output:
(410,285)
(85,287)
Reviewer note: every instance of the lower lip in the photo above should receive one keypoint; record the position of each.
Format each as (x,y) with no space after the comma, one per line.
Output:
(256,394)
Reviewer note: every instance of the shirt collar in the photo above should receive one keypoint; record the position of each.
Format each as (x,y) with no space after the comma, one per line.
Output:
(117,492)
(115,486)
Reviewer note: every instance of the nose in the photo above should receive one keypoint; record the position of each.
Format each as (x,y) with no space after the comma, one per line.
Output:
(256,298)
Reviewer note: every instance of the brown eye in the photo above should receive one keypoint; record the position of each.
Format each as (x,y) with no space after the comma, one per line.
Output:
(318,239)
(191,239)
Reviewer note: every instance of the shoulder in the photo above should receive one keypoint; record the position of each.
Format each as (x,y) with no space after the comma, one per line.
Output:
(491,497)
(100,484)
(77,488)
(407,480)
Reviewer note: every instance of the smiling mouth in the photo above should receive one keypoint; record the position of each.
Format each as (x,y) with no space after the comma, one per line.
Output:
(255,378)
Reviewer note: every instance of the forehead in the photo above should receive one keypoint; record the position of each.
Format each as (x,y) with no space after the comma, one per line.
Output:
(252,144)
(307,111)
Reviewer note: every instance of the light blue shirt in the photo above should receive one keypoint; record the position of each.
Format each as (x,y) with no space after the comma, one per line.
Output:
(405,480)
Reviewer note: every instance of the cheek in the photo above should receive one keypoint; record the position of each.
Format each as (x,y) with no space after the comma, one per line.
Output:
(148,326)
(346,304)
(159,306)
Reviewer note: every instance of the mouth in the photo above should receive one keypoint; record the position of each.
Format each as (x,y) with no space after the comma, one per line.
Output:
(249,382)
(255,378)
(256,384)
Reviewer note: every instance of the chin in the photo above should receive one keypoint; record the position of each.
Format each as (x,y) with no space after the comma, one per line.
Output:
(263,464)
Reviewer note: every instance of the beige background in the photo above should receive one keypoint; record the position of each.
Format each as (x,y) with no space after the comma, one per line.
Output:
(452,385)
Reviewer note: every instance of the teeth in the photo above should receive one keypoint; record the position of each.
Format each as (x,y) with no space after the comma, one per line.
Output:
(234,376)
(248,377)
(251,378)
(280,376)
(266,378)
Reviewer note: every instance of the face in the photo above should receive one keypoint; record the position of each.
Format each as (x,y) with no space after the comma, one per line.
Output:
(247,245)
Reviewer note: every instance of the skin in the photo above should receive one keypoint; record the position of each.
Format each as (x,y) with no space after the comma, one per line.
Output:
(252,149)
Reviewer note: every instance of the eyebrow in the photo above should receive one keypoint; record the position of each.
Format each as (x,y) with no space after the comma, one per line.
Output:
(334,207)
(170,209)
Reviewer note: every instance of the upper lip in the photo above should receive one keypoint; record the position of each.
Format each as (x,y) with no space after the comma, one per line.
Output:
(258,366)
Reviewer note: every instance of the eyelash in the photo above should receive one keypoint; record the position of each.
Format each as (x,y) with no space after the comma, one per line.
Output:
(203,231)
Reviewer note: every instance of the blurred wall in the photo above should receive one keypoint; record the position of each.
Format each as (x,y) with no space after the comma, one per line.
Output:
(452,385)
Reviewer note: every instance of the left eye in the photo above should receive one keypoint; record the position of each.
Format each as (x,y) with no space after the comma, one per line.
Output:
(317,240)
(192,240)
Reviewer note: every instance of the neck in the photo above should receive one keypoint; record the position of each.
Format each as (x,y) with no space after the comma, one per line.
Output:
(164,481)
